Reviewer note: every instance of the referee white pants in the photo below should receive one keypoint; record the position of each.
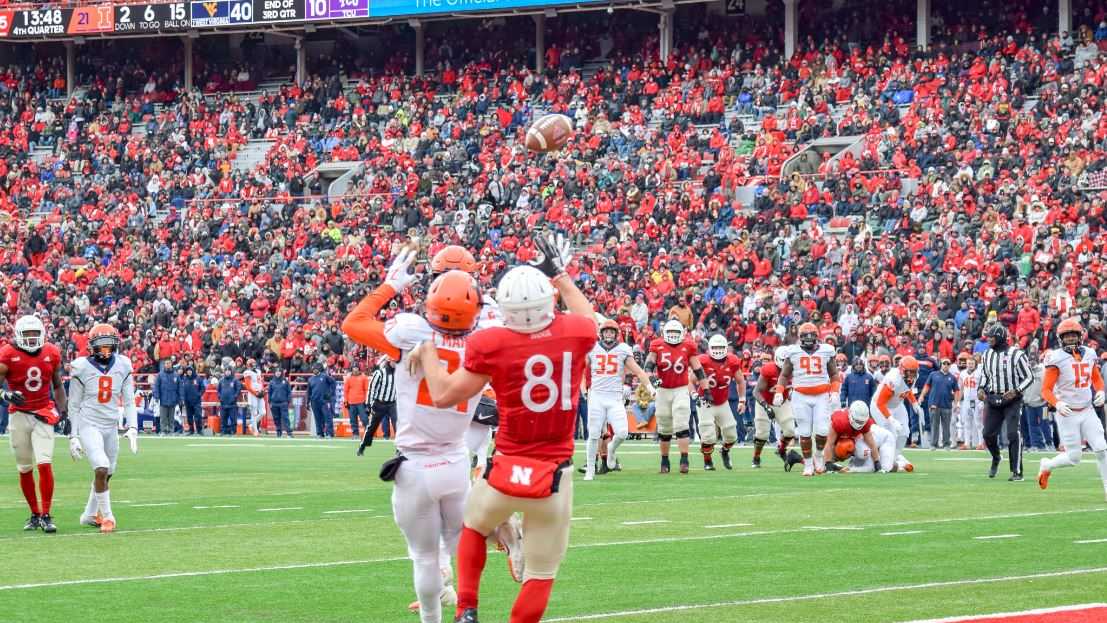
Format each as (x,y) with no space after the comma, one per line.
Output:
(428,505)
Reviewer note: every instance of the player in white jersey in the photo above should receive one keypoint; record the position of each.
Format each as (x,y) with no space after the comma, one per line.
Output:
(101,384)
(970,411)
(887,405)
(255,395)
(812,374)
(1073,386)
(609,362)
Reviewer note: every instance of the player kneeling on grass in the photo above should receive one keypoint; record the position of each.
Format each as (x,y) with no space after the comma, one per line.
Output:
(98,384)
(535,363)
(1073,384)
(866,447)
(716,418)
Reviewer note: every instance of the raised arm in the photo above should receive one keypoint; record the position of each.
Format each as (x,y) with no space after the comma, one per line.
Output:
(447,388)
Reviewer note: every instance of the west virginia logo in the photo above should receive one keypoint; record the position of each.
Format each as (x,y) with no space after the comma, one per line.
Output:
(211,8)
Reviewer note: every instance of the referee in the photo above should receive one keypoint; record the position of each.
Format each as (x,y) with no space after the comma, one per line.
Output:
(382,397)
(1006,374)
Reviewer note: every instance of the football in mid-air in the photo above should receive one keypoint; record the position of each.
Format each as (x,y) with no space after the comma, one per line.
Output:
(549,133)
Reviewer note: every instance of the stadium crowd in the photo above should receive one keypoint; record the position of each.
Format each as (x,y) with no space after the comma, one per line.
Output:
(978,195)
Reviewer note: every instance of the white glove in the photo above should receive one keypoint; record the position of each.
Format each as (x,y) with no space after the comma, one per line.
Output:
(897,428)
(1063,408)
(132,438)
(399,275)
(778,399)
(75,449)
(1099,399)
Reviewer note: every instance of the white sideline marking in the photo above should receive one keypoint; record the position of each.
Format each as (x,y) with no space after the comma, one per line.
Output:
(192,574)
(1086,541)
(833,528)
(643,523)
(226,506)
(580,519)
(743,496)
(979,617)
(853,593)
(356,510)
(200,508)
(286,508)
(996,536)
(153,504)
(728,525)
(261,445)
(901,533)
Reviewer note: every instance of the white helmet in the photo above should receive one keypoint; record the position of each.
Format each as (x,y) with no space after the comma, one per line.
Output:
(673,332)
(717,347)
(858,414)
(779,355)
(28,324)
(526,299)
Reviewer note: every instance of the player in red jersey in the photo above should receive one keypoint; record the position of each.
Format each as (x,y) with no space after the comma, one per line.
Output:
(849,425)
(535,363)
(716,418)
(764,412)
(31,366)
(670,358)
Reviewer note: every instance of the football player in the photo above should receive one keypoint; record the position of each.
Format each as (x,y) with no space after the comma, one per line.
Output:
(812,374)
(1073,385)
(431,484)
(255,395)
(32,367)
(887,405)
(847,426)
(883,365)
(764,412)
(970,421)
(535,363)
(99,384)
(609,363)
(670,358)
(716,418)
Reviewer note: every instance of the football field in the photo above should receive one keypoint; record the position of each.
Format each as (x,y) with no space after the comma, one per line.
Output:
(271,530)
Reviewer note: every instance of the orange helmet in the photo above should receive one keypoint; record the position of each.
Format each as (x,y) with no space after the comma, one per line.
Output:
(453,257)
(883,359)
(103,341)
(909,368)
(453,303)
(608,325)
(1072,328)
(808,336)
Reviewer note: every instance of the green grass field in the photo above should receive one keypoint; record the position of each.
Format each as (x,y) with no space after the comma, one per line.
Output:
(274,530)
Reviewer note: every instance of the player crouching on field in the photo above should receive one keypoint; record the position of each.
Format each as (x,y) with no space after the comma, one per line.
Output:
(716,418)
(1072,385)
(31,366)
(876,453)
(98,384)
(535,363)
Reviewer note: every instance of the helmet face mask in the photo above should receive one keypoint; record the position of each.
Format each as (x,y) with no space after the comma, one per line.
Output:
(808,337)
(717,347)
(29,334)
(1070,334)
(103,342)
(673,332)
(610,336)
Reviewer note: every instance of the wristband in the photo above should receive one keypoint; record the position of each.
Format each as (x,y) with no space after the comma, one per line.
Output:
(651,366)
(699,374)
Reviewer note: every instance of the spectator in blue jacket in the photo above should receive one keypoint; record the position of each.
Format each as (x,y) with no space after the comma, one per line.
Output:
(192,393)
(321,389)
(938,392)
(167,391)
(858,384)
(280,395)
(230,388)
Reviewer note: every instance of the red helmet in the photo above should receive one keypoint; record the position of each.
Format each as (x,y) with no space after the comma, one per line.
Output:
(453,303)
(453,257)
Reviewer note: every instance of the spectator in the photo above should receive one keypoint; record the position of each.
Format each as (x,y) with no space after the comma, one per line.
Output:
(229,388)
(858,384)
(938,391)
(192,392)
(321,394)
(280,395)
(167,391)
(642,407)
(355,393)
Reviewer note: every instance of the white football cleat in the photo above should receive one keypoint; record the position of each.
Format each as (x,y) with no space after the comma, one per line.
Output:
(509,539)
(590,473)
(448,597)
(808,470)
(91,521)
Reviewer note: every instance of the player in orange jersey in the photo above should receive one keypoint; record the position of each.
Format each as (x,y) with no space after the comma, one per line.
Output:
(811,372)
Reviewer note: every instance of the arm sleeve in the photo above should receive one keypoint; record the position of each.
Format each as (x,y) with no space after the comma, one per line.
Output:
(76,401)
(364,327)
(130,414)
(1023,366)
(882,401)
(1097,378)
(1049,380)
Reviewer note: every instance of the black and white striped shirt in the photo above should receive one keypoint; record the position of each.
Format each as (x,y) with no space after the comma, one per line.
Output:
(1005,370)
(382,388)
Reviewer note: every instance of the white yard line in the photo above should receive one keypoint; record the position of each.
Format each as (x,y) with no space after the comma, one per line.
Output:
(728,525)
(277,510)
(813,596)
(1013,614)
(354,510)
(901,533)
(152,504)
(1087,541)
(580,519)
(991,537)
(645,522)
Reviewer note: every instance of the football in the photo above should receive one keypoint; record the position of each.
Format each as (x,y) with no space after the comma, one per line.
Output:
(843,449)
(549,133)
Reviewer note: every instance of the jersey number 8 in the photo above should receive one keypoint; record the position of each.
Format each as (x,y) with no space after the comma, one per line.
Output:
(103,389)
(33,383)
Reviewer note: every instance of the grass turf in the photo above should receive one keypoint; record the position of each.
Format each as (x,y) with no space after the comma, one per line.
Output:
(246,530)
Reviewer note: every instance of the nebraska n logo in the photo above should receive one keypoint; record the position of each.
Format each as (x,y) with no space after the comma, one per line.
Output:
(521,475)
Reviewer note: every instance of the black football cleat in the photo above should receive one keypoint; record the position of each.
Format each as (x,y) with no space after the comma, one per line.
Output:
(756,462)
(46,522)
(616,467)
(1015,478)
(34,523)
(664,465)
(468,616)
(602,469)
(726,458)
(782,452)
(708,466)
(684,465)
(833,467)
(794,458)
(994,468)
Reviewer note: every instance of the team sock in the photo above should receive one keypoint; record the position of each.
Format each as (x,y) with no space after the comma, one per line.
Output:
(472,552)
(27,484)
(593,447)
(531,602)
(758,445)
(46,486)
(612,446)
(90,506)
(103,502)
